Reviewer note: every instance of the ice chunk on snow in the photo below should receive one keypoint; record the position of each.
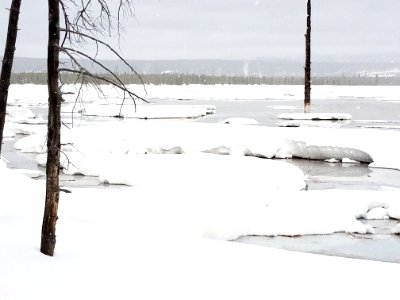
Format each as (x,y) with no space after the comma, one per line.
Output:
(302,150)
(222,150)
(373,205)
(331,160)
(315,116)
(378,213)
(349,161)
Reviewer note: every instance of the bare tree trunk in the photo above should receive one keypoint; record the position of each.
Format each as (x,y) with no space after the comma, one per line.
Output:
(48,241)
(307,68)
(8,60)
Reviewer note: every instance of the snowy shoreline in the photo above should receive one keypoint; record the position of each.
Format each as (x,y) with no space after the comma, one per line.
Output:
(191,187)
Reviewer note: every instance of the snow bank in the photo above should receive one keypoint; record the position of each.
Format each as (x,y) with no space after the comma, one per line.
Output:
(140,137)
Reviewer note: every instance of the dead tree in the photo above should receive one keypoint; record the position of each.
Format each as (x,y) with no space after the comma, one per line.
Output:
(82,28)
(307,68)
(8,60)
(48,241)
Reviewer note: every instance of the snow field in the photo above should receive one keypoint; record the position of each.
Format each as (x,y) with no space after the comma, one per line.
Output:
(149,242)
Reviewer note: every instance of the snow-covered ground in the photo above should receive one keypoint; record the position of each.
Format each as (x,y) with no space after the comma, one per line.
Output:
(187,189)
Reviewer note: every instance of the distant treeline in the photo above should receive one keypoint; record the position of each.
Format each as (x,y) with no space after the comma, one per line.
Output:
(181,79)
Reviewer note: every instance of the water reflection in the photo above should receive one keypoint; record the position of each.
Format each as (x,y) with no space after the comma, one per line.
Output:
(324,175)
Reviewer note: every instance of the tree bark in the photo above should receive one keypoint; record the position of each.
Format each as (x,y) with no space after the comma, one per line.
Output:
(8,60)
(307,68)
(50,217)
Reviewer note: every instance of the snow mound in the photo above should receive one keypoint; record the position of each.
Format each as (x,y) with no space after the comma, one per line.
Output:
(378,213)
(303,150)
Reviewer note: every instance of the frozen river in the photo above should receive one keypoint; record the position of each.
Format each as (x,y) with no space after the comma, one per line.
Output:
(367,112)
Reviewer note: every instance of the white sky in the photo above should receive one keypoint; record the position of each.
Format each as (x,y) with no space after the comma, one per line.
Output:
(238,29)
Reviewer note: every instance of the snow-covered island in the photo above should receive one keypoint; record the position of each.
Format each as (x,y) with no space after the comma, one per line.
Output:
(173,195)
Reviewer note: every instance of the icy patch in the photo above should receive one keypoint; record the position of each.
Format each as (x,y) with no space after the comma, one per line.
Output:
(306,123)
(315,116)
(146,111)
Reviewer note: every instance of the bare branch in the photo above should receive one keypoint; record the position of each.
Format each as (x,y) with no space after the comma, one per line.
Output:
(107,80)
(98,41)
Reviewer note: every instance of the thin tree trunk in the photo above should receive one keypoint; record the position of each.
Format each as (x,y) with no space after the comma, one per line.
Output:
(307,68)
(48,240)
(8,60)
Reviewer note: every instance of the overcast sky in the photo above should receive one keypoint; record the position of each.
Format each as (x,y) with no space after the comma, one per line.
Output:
(237,29)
